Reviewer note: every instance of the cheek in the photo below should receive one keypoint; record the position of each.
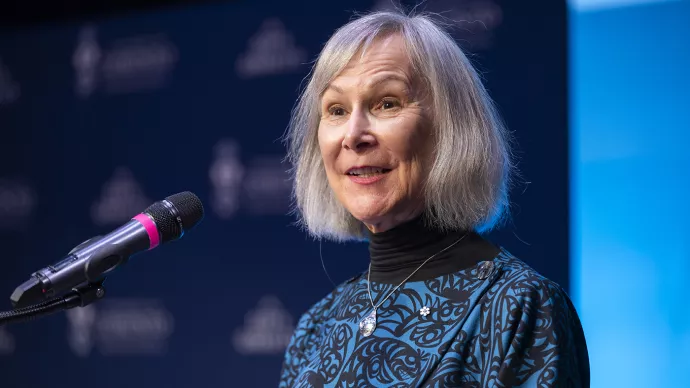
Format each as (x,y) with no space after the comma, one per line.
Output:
(421,142)
(411,143)
(328,149)
(414,150)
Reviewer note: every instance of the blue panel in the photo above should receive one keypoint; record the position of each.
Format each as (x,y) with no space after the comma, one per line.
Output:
(630,267)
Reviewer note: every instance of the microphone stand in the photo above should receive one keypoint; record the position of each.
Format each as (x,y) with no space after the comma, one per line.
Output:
(79,297)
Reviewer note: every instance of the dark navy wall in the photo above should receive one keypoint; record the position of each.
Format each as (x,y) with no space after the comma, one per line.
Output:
(99,119)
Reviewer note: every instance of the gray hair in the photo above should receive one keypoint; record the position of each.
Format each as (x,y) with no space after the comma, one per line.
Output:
(467,186)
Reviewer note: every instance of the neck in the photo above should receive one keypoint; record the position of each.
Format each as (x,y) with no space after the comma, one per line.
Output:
(399,251)
(388,223)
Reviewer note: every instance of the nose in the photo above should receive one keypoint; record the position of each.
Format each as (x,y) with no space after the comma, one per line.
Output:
(358,135)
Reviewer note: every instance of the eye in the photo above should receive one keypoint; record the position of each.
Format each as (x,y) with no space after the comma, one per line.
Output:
(389,104)
(336,111)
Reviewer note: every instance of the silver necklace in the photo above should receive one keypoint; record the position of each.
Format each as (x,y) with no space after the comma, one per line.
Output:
(368,324)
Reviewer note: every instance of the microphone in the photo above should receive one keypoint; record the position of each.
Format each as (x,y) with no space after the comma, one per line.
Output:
(88,262)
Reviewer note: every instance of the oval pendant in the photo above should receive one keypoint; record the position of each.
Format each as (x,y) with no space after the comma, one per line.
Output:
(368,324)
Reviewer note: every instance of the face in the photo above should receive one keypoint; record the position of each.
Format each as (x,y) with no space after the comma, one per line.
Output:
(375,138)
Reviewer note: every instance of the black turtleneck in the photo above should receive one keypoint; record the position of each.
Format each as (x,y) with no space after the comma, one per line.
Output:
(397,252)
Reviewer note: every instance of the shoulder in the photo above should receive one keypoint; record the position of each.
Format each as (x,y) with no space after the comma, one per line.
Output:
(526,287)
(527,301)
(534,326)
(517,276)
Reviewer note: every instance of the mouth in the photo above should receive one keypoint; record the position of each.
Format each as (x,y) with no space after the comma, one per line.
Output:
(367,171)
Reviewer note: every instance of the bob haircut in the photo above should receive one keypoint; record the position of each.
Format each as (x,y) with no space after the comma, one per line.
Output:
(467,186)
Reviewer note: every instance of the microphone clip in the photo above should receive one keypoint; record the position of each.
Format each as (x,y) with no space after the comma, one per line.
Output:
(79,296)
(87,293)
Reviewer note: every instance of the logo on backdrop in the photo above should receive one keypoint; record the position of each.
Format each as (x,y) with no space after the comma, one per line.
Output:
(80,329)
(261,187)
(226,174)
(17,203)
(86,60)
(120,327)
(121,199)
(6,342)
(268,186)
(267,329)
(270,51)
(127,65)
(9,89)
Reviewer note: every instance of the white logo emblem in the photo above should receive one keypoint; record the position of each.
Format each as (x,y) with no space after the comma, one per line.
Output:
(267,329)
(6,342)
(139,63)
(272,50)
(86,60)
(128,65)
(120,327)
(17,202)
(134,326)
(9,90)
(81,329)
(268,186)
(121,199)
(226,174)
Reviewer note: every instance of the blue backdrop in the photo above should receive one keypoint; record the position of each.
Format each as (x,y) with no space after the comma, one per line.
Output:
(630,89)
(101,118)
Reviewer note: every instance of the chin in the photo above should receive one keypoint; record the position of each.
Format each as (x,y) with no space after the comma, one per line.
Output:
(369,214)
(368,217)
(381,213)
(378,217)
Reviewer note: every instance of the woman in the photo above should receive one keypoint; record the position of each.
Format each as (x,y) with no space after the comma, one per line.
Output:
(395,141)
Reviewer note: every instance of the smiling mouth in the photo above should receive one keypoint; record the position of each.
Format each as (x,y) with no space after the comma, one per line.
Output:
(365,172)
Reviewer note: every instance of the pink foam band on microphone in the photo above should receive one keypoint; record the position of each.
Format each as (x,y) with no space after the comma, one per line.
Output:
(151,229)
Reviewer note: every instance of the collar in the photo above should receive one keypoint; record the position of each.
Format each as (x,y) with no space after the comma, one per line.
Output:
(397,252)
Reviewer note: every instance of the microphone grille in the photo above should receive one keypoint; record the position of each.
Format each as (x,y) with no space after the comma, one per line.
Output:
(182,212)
(190,208)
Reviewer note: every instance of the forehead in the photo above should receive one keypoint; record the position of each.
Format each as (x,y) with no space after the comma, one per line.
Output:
(387,55)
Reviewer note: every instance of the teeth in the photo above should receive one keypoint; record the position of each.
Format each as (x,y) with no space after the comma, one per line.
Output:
(367,171)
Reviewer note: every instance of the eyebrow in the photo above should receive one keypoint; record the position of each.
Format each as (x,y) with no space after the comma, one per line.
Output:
(374,83)
(386,78)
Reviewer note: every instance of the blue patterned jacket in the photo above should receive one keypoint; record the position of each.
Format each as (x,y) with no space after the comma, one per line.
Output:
(497,324)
